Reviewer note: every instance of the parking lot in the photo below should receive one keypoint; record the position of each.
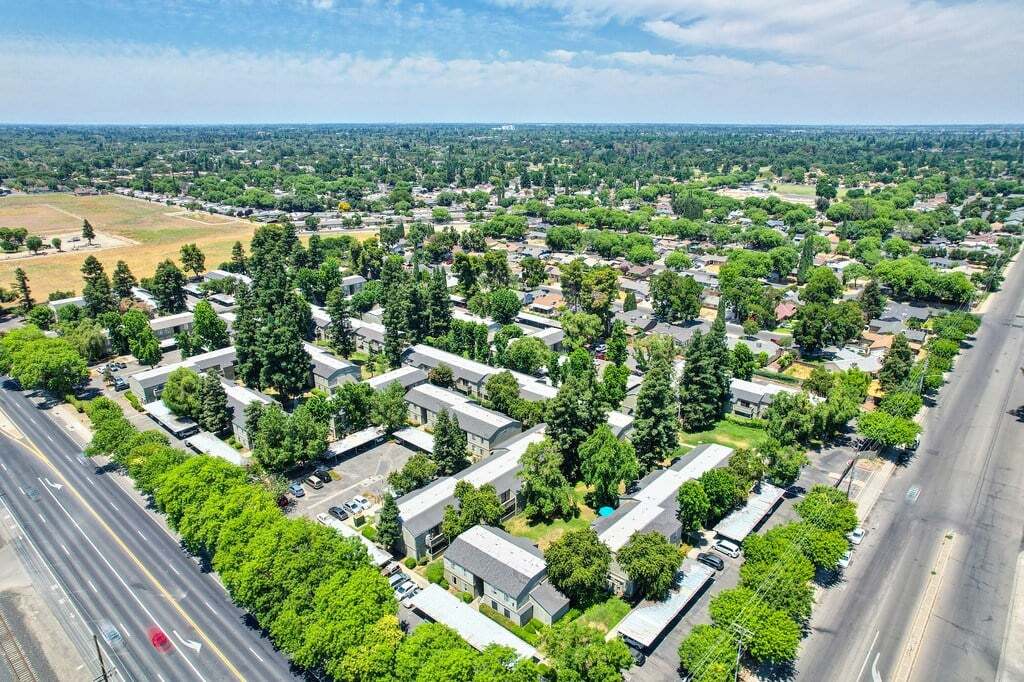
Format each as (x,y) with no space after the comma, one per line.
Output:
(363,474)
(826,467)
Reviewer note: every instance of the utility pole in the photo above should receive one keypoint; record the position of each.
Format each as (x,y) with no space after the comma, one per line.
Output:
(99,654)
(741,632)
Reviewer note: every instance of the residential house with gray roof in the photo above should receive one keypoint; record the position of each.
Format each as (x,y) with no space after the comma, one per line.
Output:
(484,428)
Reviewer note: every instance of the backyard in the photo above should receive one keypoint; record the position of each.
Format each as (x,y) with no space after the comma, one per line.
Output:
(726,432)
(544,533)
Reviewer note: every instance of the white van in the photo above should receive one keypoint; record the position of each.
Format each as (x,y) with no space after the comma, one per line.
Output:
(727,547)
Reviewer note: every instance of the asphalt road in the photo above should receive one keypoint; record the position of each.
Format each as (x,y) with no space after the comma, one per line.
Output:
(118,564)
(966,479)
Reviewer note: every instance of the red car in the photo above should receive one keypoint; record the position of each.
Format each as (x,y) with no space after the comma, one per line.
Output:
(159,640)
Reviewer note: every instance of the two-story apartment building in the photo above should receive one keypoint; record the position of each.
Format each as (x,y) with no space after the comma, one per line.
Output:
(422,511)
(239,398)
(484,428)
(653,507)
(148,384)
(507,574)
(328,370)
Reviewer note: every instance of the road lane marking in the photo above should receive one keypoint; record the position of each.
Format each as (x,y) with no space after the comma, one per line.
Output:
(92,586)
(140,534)
(42,518)
(31,447)
(124,629)
(118,575)
(173,569)
(3,465)
(115,507)
(65,548)
(913,492)
(22,490)
(210,607)
(867,656)
(919,626)
(258,657)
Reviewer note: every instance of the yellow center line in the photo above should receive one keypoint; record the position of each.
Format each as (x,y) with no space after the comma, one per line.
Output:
(31,447)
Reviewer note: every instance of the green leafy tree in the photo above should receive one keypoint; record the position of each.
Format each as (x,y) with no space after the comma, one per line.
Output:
(181,393)
(743,362)
(34,243)
(897,363)
(48,364)
(887,430)
(605,463)
(417,471)
(545,491)
(209,332)
(724,492)
(694,506)
(340,334)
(504,305)
(214,414)
(872,301)
(676,298)
(476,506)
(41,316)
(614,381)
(904,404)
(578,564)
(708,654)
(389,528)
(580,652)
(193,259)
(655,426)
(284,362)
(439,303)
(618,351)
(88,233)
(769,635)
(829,509)
(533,272)
(123,280)
(168,288)
(99,298)
(56,243)
(790,418)
(388,408)
(527,354)
(449,444)
(651,562)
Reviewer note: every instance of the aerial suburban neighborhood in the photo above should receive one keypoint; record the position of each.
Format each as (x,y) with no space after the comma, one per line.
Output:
(555,402)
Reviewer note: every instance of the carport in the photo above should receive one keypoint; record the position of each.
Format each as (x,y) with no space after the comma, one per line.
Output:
(644,625)
(742,522)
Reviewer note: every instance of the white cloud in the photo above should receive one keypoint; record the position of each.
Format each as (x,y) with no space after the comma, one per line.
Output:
(113,82)
(564,56)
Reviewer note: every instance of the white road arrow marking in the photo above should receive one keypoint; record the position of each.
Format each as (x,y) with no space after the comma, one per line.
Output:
(875,677)
(195,646)
(56,486)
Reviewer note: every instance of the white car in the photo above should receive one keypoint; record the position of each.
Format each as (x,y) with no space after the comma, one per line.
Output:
(844,561)
(856,536)
(406,589)
(363,503)
(727,547)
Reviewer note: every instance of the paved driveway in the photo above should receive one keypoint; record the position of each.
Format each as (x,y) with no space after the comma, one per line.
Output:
(364,474)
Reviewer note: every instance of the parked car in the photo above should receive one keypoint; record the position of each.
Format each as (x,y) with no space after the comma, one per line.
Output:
(856,536)
(338,513)
(324,474)
(352,507)
(639,658)
(727,547)
(390,568)
(405,590)
(363,503)
(120,384)
(314,482)
(120,365)
(844,561)
(397,579)
(297,490)
(709,559)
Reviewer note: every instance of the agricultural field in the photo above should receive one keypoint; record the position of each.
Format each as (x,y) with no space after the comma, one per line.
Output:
(140,233)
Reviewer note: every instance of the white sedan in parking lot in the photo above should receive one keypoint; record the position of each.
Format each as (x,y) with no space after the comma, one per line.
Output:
(856,536)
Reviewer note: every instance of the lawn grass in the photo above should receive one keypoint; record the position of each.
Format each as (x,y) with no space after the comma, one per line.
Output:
(544,533)
(726,433)
(606,615)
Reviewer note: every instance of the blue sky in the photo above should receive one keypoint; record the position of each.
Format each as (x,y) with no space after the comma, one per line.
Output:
(686,61)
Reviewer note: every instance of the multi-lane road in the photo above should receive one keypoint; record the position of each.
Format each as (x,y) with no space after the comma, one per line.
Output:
(116,563)
(967,480)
